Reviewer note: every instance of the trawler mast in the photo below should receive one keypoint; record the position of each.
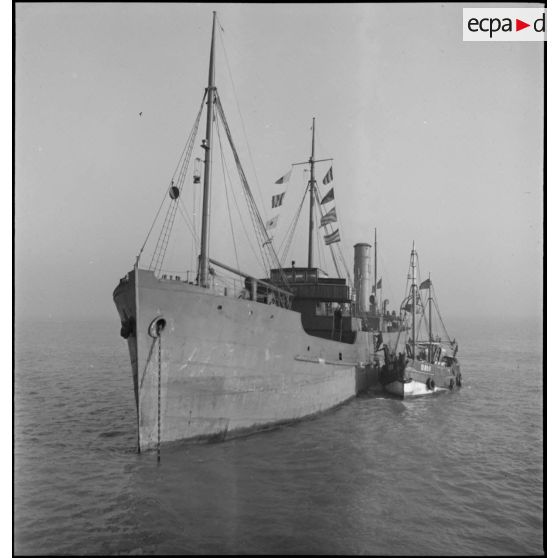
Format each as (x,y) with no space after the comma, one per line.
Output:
(413,298)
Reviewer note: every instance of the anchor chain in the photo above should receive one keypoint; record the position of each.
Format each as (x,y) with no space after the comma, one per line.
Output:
(159,398)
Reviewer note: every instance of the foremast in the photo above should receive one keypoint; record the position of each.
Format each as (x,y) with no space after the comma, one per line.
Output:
(207,143)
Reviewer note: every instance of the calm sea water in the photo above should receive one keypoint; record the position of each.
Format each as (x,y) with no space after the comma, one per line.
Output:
(453,474)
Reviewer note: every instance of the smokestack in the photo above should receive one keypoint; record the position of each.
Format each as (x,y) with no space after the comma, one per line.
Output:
(363,274)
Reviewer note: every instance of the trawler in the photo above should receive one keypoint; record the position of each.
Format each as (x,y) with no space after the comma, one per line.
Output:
(429,363)
(213,360)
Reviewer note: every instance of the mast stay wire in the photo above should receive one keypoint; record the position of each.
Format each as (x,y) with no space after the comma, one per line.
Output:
(424,306)
(402,308)
(391,295)
(435,300)
(164,235)
(261,259)
(287,241)
(225,175)
(259,227)
(188,222)
(162,241)
(294,223)
(258,188)
(331,246)
(318,195)
(420,297)
(320,249)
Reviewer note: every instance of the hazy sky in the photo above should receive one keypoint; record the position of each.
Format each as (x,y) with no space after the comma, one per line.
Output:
(434,140)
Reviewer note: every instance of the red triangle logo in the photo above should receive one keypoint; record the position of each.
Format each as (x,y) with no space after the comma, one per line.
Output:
(519,25)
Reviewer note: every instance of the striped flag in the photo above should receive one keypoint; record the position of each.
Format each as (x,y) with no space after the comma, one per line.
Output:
(333,237)
(329,217)
(329,176)
(272,223)
(277,199)
(328,197)
(284,178)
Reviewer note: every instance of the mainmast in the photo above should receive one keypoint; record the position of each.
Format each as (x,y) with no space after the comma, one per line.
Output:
(312,187)
(413,294)
(312,192)
(206,145)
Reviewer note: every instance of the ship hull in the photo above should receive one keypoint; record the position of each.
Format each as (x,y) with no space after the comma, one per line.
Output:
(224,366)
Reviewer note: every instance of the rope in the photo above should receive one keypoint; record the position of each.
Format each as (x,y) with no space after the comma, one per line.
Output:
(434,298)
(152,225)
(162,241)
(182,168)
(197,119)
(252,209)
(166,189)
(290,229)
(320,247)
(248,237)
(241,118)
(386,279)
(188,222)
(269,254)
(223,167)
(287,241)
(318,195)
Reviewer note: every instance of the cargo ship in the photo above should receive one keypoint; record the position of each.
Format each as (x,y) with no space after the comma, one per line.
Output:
(210,362)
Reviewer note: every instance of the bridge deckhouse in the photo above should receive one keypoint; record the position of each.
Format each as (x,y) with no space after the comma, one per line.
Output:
(325,303)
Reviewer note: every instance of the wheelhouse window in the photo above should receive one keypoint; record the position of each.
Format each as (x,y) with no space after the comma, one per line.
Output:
(323,309)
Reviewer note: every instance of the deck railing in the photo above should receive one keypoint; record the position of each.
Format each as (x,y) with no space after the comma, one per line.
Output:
(242,286)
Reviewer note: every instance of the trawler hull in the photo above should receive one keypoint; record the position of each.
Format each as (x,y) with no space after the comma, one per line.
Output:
(419,379)
(228,366)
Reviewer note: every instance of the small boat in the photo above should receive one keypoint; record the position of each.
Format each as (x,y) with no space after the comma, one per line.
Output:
(429,362)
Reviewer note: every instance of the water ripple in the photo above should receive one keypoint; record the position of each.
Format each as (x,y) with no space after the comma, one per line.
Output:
(455,474)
